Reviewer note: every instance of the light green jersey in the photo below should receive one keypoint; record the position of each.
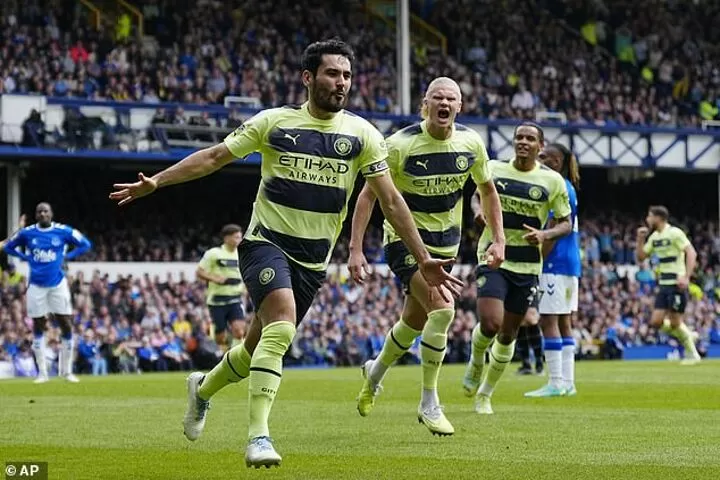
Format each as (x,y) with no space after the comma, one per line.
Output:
(526,198)
(669,245)
(431,174)
(220,261)
(308,172)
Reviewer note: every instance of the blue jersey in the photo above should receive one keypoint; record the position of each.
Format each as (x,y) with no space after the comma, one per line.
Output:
(564,258)
(45,250)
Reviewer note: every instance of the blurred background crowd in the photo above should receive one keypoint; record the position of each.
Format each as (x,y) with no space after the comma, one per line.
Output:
(139,323)
(601,62)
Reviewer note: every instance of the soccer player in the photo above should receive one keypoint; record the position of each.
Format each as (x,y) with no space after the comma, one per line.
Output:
(311,155)
(559,284)
(677,258)
(430,163)
(219,267)
(528,191)
(43,245)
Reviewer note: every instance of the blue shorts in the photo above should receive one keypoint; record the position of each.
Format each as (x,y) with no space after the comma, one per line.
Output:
(517,290)
(670,297)
(403,264)
(264,268)
(223,315)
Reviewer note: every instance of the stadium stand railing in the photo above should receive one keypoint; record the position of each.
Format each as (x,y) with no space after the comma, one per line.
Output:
(132,128)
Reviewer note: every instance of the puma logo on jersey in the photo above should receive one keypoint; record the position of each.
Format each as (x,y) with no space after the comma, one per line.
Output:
(422,164)
(502,184)
(293,138)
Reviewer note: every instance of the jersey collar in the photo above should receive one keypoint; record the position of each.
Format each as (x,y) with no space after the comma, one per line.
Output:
(46,229)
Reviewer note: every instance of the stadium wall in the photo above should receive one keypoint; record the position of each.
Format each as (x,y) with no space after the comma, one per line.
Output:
(187,269)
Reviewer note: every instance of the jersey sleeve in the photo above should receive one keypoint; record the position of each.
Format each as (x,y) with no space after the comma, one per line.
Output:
(648,247)
(374,157)
(560,201)
(249,136)
(394,156)
(79,241)
(17,240)
(480,170)
(680,239)
(207,260)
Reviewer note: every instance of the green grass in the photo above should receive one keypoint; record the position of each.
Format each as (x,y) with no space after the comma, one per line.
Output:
(631,420)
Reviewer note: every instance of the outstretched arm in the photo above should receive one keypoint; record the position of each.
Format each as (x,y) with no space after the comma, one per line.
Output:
(194,166)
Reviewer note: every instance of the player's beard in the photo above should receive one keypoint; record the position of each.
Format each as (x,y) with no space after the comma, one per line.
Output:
(328,101)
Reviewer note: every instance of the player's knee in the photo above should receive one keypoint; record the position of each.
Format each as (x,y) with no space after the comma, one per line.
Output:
(237,328)
(490,323)
(277,337)
(278,306)
(438,321)
(506,338)
(489,328)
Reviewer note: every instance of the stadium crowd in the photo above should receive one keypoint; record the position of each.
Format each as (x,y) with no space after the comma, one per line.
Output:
(594,62)
(140,324)
(597,64)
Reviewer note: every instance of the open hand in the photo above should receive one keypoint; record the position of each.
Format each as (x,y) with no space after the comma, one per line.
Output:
(127,192)
(437,278)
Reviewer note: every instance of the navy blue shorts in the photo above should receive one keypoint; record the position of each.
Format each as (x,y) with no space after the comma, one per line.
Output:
(403,264)
(670,297)
(264,268)
(223,315)
(517,290)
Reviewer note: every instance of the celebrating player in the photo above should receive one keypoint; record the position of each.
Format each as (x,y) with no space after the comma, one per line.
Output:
(43,246)
(559,284)
(677,258)
(529,335)
(219,267)
(528,191)
(311,157)
(429,163)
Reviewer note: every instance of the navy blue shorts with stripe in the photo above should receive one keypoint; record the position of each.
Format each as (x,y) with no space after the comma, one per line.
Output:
(223,315)
(670,297)
(517,291)
(403,264)
(264,268)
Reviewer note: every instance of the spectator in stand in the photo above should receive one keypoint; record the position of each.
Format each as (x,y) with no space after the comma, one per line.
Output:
(616,68)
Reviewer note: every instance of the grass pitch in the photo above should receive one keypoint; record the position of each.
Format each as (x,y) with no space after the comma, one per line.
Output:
(631,420)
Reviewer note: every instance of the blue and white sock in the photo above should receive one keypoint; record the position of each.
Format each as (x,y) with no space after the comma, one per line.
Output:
(553,357)
(65,363)
(568,361)
(38,347)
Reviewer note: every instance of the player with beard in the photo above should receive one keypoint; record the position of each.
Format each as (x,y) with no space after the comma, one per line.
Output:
(528,191)
(430,162)
(311,155)
(677,259)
